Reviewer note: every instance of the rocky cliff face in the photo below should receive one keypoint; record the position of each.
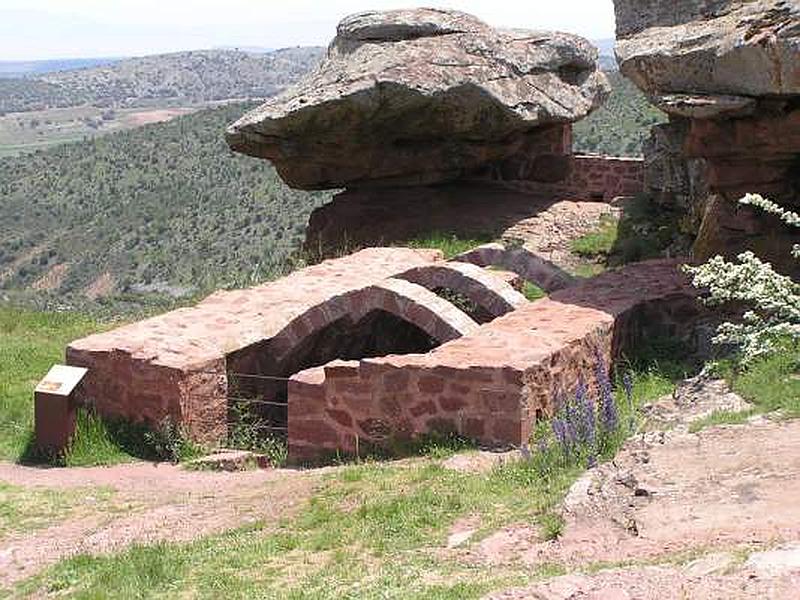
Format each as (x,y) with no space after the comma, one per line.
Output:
(423,96)
(728,74)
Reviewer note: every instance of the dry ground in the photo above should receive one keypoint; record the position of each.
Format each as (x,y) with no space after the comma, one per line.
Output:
(712,514)
(143,503)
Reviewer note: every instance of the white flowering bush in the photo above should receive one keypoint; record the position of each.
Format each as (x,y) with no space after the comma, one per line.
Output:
(773,300)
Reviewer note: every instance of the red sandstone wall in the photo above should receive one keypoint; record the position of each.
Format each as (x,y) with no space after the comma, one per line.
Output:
(373,402)
(119,387)
(605,177)
(376,402)
(493,385)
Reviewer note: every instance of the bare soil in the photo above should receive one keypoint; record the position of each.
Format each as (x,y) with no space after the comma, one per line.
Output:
(713,514)
(151,502)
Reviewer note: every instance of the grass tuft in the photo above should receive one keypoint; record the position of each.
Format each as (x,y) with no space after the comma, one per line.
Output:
(450,244)
(600,242)
(770,383)
(720,417)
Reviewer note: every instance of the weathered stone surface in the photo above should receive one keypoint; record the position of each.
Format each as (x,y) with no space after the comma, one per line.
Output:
(412,97)
(529,266)
(728,73)
(746,48)
(699,106)
(175,366)
(493,207)
(672,178)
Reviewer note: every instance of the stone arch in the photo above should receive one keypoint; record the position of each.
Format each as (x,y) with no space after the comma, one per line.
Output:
(393,316)
(491,293)
(526,264)
(409,301)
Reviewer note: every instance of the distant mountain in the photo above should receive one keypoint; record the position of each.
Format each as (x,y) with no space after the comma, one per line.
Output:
(22,68)
(621,125)
(169,209)
(180,78)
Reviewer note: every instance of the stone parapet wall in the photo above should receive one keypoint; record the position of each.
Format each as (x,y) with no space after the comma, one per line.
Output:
(605,177)
(491,385)
(347,406)
(488,205)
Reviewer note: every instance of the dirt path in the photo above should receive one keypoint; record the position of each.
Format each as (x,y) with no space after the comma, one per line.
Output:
(713,514)
(147,503)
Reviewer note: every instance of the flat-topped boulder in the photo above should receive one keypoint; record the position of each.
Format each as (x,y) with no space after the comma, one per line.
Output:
(411,97)
(715,53)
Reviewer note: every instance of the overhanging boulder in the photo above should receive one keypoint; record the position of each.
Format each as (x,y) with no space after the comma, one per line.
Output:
(413,97)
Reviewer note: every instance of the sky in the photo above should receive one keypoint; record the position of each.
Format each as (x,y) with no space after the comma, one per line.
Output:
(41,29)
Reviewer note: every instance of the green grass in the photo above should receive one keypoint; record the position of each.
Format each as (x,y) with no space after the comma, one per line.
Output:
(771,383)
(600,242)
(532,291)
(450,244)
(720,417)
(25,509)
(31,343)
(644,231)
(371,530)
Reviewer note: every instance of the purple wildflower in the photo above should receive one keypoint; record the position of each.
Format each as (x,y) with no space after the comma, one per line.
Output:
(562,437)
(541,444)
(627,384)
(584,407)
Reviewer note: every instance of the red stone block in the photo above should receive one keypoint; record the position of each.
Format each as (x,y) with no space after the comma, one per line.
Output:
(451,403)
(395,381)
(474,428)
(507,431)
(314,432)
(423,408)
(54,421)
(343,418)
(55,408)
(430,384)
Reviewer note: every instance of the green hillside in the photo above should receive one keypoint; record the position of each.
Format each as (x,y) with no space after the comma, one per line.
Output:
(166,207)
(621,126)
(180,78)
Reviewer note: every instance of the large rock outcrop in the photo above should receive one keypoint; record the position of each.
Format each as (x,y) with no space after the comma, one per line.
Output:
(728,74)
(414,97)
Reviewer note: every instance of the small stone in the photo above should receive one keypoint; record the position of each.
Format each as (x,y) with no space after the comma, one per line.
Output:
(711,564)
(774,563)
(457,539)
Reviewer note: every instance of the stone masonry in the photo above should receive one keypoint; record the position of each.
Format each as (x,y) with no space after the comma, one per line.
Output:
(175,366)
(489,382)
(494,384)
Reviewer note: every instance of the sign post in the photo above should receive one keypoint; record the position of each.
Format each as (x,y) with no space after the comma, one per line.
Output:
(55,408)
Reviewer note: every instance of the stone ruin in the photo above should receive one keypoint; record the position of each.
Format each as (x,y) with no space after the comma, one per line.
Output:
(415,110)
